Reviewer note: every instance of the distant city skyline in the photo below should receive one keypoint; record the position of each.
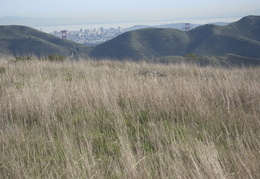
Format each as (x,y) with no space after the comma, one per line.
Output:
(129,10)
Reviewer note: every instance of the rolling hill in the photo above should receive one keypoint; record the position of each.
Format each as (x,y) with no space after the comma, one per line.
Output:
(240,38)
(236,42)
(144,44)
(22,40)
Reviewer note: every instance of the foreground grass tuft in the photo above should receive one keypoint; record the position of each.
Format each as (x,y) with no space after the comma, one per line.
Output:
(103,119)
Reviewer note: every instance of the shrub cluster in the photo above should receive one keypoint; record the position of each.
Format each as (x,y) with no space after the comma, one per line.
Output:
(52,58)
(56,58)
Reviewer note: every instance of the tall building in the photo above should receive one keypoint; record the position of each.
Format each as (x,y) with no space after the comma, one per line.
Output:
(101,30)
(120,29)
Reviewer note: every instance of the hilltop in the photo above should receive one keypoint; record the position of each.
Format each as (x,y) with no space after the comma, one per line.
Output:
(22,40)
(240,38)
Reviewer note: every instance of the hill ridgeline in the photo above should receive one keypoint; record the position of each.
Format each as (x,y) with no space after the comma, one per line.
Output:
(239,39)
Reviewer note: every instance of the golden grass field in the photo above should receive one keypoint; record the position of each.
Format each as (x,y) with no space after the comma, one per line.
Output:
(108,119)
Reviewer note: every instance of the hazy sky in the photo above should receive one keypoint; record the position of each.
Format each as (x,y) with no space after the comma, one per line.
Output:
(127,9)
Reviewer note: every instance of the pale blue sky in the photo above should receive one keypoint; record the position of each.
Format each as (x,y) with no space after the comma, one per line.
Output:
(127,9)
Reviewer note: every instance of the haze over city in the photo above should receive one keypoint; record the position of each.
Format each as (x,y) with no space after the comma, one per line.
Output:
(89,11)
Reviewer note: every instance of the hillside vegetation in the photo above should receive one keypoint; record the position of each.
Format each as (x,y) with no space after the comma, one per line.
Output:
(24,41)
(229,60)
(239,38)
(105,119)
(144,44)
(221,44)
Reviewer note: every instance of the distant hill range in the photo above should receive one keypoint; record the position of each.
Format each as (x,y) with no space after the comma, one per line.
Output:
(25,41)
(239,40)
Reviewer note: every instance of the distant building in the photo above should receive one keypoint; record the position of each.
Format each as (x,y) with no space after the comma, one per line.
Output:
(101,30)
(120,29)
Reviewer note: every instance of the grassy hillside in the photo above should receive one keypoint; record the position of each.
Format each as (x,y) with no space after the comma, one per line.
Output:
(104,119)
(229,60)
(247,27)
(143,44)
(240,38)
(22,41)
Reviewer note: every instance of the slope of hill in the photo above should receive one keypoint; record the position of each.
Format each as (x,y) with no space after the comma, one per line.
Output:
(143,44)
(240,38)
(21,40)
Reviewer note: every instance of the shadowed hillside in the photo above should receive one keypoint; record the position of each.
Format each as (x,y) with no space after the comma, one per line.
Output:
(21,40)
(239,38)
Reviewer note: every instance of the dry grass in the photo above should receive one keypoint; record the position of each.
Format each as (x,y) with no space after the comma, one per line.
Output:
(106,120)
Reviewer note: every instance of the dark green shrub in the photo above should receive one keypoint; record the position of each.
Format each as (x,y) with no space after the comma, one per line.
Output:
(28,58)
(56,58)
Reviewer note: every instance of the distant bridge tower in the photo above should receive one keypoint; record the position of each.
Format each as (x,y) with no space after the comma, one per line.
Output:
(64,34)
(187,26)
